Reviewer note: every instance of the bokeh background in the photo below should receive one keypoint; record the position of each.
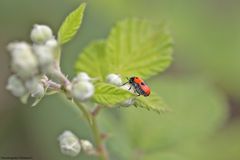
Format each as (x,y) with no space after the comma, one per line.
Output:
(202,86)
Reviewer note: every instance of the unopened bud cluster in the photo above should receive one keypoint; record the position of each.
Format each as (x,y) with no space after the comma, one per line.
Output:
(29,62)
(70,144)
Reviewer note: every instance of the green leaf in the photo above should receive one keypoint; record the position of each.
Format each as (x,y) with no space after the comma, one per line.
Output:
(36,101)
(109,95)
(91,60)
(136,47)
(152,102)
(71,25)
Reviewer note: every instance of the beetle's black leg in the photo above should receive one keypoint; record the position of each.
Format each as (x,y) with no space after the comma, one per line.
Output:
(130,88)
(124,83)
(138,94)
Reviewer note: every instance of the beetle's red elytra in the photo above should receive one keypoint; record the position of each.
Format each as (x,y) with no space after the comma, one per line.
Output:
(139,86)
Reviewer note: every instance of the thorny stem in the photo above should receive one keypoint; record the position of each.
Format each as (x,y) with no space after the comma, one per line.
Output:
(91,118)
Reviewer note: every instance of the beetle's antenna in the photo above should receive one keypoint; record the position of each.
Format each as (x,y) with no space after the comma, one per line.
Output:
(126,82)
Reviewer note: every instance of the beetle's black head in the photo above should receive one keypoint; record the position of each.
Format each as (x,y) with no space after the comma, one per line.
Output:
(131,79)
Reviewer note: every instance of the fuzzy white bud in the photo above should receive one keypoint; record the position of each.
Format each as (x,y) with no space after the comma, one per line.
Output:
(114,79)
(38,91)
(41,33)
(31,83)
(69,144)
(130,101)
(16,86)
(87,147)
(24,63)
(52,43)
(127,87)
(82,76)
(35,87)
(82,90)
(44,56)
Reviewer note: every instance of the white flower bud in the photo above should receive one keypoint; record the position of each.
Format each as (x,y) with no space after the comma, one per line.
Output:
(41,33)
(114,79)
(130,101)
(52,43)
(127,87)
(82,76)
(38,91)
(69,144)
(44,56)
(24,63)
(18,46)
(31,83)
(35,87)
(82,90)
(16,86)
(87,146)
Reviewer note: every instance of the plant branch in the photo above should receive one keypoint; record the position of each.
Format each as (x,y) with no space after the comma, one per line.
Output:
(84,111)
(96,110)
(103,155)
(51,84)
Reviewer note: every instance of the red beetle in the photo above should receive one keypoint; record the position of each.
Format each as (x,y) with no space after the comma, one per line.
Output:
(140,87)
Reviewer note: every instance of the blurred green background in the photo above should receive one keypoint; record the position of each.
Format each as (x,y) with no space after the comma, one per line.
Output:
(202,86)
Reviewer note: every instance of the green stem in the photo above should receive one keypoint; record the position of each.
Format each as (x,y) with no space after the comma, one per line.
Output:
(57,54)
(84,111)
(103,155)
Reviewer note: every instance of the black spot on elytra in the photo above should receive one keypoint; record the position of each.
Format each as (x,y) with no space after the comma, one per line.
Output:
(142,83)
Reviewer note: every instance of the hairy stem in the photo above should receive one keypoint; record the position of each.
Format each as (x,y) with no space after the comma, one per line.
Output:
(84,111)
(91,118)
(51,84)
(96,110)
(103,155)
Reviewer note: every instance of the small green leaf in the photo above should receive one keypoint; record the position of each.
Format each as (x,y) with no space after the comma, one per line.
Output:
(136,47)
(92,61)
(71,24)
(109,95)
(36,101)
(153,102)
